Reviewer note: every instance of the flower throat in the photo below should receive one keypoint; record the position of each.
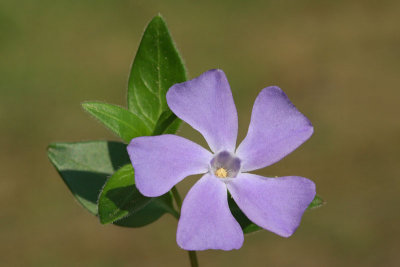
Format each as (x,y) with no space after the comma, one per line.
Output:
(225,165)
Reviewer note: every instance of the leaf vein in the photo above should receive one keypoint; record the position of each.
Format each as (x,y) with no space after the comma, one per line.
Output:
(140,106)
(120,121)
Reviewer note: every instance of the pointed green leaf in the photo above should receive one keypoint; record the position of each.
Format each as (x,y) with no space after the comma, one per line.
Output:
(119,120)
(316,203)
(157,66)
(85,166)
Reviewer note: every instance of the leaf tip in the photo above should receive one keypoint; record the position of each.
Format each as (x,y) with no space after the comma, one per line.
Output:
(316,203)
(159,16)
(86,105)
(50,150)
(158,19)
(50,146)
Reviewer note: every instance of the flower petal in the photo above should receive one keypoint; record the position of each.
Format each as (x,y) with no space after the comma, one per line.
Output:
(275,204)
(206,221)
(162,161)
(206,103)
(276,129)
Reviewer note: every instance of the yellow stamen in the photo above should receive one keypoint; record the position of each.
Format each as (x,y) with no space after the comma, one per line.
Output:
(221,173)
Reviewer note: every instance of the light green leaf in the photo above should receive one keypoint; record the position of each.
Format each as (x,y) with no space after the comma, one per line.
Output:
(316,203)
(157,66)
(119,120)
(85,166)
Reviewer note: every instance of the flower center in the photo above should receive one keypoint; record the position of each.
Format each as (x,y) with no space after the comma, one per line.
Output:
(225,165)
(221,173)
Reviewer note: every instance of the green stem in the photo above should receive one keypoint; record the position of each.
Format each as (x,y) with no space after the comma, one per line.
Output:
(193,258)
(171,210)
(178,201)
(177,197)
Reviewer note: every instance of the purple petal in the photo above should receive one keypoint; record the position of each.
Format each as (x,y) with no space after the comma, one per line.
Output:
(162,161)
(275,204)
(206,103)
(276,129)
(206,221)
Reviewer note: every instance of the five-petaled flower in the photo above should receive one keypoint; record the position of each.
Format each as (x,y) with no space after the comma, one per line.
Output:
(276,129)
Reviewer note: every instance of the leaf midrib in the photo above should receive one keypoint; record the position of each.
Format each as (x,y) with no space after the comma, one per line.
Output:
(159,71)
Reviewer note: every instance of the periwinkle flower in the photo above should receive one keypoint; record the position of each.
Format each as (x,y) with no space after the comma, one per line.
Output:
(276,129)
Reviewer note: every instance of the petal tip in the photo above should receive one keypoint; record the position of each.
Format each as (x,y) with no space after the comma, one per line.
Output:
(217,73)
(214,71)
(189,243)
(190,247)
(144,188)
(288,233)
(309,126)
(273,89)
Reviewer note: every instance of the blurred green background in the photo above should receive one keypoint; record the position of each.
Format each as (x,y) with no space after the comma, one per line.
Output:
(338,61)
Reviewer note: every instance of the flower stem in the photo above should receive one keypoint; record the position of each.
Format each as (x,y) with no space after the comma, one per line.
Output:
(193,258)
(177,197)
(178,201)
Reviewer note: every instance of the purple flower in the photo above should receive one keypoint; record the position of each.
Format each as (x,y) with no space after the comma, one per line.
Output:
(276,129)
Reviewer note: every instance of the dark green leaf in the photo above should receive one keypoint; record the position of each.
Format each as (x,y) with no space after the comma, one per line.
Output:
(120,196)
(121,203)
(85,166)
(168,123)
(157,66)
(119,120)
(316,203)
(154,210)
(245,223)
(250,228)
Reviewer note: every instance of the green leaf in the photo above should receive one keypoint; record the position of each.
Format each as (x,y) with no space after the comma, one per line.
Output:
(316,203)
(157,66)
(245,223)
(152,212)
(248,226)
(168,123)
(121,203)
(119,120)
(120,197)
(85,166)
